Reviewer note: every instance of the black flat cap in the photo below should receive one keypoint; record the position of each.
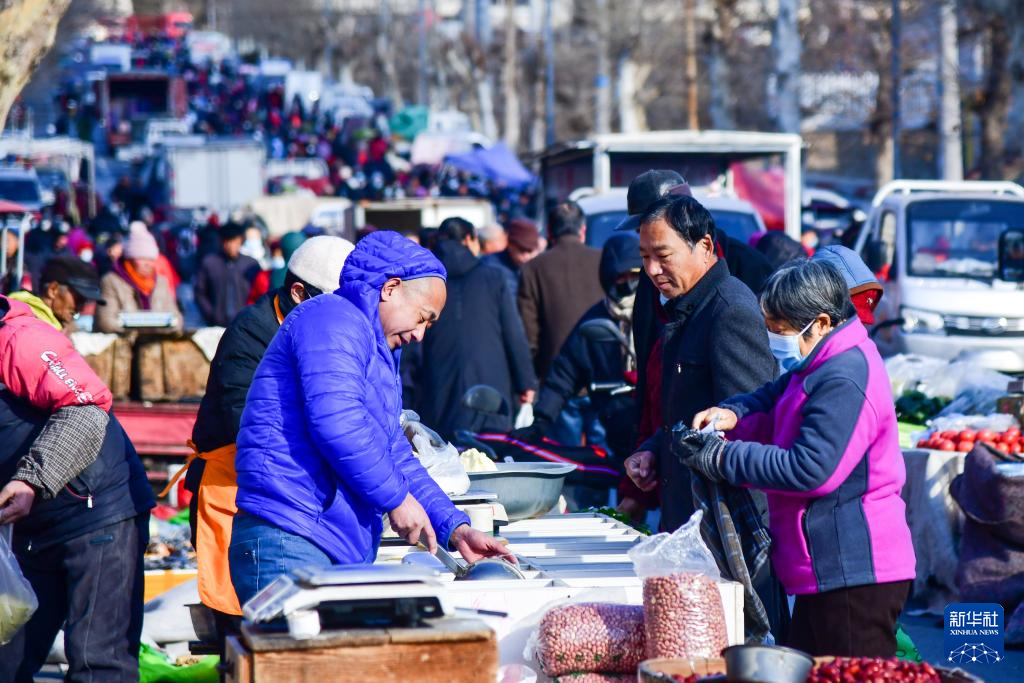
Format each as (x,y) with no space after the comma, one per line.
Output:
(75,274)
(646,189)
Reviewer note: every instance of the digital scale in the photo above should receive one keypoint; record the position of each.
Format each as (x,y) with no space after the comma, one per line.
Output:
(309,600)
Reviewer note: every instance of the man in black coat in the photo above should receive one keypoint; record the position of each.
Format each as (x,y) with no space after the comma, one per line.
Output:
(583,361)
(478,340)
(715,344)
(225,278)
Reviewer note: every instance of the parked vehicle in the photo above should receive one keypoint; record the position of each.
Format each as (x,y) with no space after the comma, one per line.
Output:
(21,185)
(704,158)
(951,258)
(606,210)
(129,100)
(408,216)
(193,172)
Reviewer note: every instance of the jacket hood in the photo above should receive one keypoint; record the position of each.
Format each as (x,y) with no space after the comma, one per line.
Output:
(456,258)
(376,258)
(38,306)
(853,269)
(621,253)
(385,254)
(11,309)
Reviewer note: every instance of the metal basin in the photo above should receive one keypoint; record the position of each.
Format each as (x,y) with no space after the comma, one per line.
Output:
(525,489)
(765,664)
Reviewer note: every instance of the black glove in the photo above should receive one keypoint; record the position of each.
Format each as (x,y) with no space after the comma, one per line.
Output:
(533,434)
(701,452)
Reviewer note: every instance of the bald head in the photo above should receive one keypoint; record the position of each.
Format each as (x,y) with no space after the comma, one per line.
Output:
(408,307)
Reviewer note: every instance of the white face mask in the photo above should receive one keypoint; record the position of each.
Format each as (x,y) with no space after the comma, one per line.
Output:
(253,248)
(786,348)
(86,255)
(278,263)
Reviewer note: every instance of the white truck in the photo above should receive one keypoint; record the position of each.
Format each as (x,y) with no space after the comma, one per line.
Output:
(950,256)
(192,172)
(703,157)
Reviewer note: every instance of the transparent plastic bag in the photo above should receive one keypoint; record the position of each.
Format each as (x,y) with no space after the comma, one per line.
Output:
(681,551)
(17,599)
(683,613)
(439,458)
(589,637)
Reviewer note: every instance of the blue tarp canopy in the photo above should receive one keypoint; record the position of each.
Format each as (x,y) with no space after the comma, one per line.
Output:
(497,163)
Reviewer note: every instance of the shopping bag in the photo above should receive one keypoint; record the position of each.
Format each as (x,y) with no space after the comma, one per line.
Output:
(17,599)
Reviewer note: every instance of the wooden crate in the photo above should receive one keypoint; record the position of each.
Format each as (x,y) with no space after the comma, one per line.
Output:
(114,367)
(170,369)
(447,651)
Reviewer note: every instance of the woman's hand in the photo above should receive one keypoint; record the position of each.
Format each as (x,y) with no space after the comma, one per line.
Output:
(723,418)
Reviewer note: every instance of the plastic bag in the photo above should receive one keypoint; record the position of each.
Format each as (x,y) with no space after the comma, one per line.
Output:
(683,550)
(683,613)
(439,458)
(590,637)
(524,418)
(17,599)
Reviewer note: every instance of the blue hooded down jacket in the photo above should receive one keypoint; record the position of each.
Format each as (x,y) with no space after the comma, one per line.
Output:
(320,452)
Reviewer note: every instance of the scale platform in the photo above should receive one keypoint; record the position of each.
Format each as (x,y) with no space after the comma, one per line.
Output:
(358,596)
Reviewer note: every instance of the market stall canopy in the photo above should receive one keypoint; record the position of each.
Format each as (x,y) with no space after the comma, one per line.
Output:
(431,149)
(11,207)
(764,188)
(410,122)
(496,163)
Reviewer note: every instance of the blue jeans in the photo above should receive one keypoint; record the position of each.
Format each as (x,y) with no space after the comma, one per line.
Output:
(577,418)
(260,552)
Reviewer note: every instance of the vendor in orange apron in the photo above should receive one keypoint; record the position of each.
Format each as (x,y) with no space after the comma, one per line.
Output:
(313,268)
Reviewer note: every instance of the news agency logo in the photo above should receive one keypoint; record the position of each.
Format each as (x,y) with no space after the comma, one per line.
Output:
(974,633)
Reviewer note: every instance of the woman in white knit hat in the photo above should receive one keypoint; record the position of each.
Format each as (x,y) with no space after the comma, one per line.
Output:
(134,284)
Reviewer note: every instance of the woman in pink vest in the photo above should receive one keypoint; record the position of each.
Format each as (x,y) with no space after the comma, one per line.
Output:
(822,442)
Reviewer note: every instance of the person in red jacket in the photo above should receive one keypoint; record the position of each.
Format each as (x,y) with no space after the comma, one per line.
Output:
(77,496)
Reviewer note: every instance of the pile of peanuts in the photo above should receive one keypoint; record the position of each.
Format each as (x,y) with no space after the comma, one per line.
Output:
(591,637)
(683,616)
(595,678)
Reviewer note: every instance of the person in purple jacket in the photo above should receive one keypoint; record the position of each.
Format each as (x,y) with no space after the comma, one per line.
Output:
(822,442)
(321,454)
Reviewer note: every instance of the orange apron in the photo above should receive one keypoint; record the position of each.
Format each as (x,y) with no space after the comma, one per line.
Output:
(215,512)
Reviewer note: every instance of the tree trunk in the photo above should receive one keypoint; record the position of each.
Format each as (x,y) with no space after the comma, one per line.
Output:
(951,161)
(508,79)
(995,102)
(786,46)
(27,30)
(602,83)
(720,96)
(385,57)
(626,94)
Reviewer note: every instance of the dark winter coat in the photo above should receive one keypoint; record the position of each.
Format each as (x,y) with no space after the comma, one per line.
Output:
(745,263)
(222,287)
(238,355)
(715,346)
(504,263)
(555,290)
(478,339)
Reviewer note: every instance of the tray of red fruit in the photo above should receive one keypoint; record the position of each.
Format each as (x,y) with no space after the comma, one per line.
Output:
(826,670)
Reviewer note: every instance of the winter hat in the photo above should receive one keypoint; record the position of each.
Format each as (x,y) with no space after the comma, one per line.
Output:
(318,261)
(290,243)
(140,243)
(524,234)
(865,290)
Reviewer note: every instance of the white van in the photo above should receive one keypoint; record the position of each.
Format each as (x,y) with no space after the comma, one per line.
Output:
(950,256)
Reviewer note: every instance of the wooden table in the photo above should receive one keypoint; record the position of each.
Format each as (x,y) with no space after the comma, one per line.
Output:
(449,650)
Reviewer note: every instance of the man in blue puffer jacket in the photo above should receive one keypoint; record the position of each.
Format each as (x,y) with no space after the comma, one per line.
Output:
(321,455)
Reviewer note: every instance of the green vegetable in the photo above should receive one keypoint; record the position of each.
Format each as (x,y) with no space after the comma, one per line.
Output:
(14,612)
(622,517)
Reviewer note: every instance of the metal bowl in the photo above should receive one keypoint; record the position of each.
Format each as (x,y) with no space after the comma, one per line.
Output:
(525,489)
(766,664)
